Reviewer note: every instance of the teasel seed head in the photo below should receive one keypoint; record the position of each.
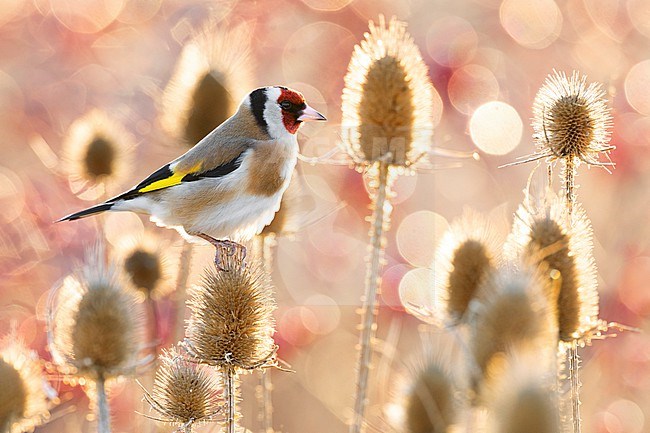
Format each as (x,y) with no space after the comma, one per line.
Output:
(523,399)
(26,396)
(430,403)
(97,153)
(512,317)
(467,254)
(95,325)
(213,74)
(543,234)
(387,101)
(571,120)
(232,321)
(184,393)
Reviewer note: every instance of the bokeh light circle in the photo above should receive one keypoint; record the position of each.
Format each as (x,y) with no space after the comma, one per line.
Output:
(417,236)
(88,16)
(327,5)
(496,128)
(471,86)
(416,288)
(637,87)
(533,24)
(451,41)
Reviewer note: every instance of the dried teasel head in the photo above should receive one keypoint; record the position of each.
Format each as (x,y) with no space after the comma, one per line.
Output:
(523,399)
(467,254)
(97,154)
(213,74)
(512,317)
(146,261)
(429,400)
(184,393)
(571,120)
(232,321)
(387,101)
(544,234)
(26,396)
(95,325)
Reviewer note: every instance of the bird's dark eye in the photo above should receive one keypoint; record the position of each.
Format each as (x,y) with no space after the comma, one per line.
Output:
(286,105)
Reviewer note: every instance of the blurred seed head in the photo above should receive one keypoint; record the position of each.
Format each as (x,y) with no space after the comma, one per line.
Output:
(512,316)
(26,396)
(184,392)
(387,101)
(571,120)
(213,73)
(467,254)
(523,399)
(95,326)
(232,319)
(544,235)
(430,405)
(97,153)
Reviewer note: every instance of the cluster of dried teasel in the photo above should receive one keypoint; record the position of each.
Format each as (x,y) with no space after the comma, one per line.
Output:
(518,314)
(96,320)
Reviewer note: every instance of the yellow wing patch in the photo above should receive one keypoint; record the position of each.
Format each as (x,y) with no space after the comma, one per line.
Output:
(174,179)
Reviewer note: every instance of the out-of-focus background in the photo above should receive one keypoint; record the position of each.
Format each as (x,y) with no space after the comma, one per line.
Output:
(59,59)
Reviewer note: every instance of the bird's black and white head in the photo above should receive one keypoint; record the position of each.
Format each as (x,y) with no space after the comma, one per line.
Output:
(279,111)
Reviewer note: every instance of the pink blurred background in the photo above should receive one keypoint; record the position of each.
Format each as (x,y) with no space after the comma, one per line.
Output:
(61,58)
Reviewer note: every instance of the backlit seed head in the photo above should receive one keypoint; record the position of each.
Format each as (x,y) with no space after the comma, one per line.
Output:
(543,234)
(430,404)
(97,153)
(467,254)
(512,316)
(213,74)
(232,319)
(184,392)
(387,100)
(571,120)
(95,325)
(26,396)
(523,400)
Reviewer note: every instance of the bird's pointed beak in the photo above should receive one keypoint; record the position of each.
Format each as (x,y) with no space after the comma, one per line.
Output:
(309,113)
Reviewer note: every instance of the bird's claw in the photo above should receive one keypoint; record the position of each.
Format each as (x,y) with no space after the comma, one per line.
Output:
(228,254)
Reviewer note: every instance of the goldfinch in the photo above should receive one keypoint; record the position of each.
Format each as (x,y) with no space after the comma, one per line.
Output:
(230,184)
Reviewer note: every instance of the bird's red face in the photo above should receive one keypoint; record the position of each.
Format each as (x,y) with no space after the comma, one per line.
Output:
(295,110)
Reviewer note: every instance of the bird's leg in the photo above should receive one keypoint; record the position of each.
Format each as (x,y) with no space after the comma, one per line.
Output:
(228,253)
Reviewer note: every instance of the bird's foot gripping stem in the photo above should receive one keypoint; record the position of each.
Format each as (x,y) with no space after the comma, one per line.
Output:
(229,254)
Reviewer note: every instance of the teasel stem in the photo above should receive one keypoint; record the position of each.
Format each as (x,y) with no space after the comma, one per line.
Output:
(229,389)
(103,411)
(379,224)
(574,377)
(181,289)
(264,393)
(573,357)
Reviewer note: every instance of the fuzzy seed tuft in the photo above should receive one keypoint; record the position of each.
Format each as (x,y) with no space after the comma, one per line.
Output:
(571,120)
(144,268)
(387,100)
(95,326)
(184,393)
(430,406)
(232,322)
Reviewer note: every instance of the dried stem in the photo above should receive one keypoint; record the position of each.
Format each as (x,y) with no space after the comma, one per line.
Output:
(184,263)
(379,224)
(229,388)
(574,377)
(569,187)
(103,412)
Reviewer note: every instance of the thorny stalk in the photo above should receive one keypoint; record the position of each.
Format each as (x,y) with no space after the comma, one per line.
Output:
(103,412)
(229,379)
(573,357)
(379,224)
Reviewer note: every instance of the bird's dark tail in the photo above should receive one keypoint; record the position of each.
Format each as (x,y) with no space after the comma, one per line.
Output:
(87,212)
